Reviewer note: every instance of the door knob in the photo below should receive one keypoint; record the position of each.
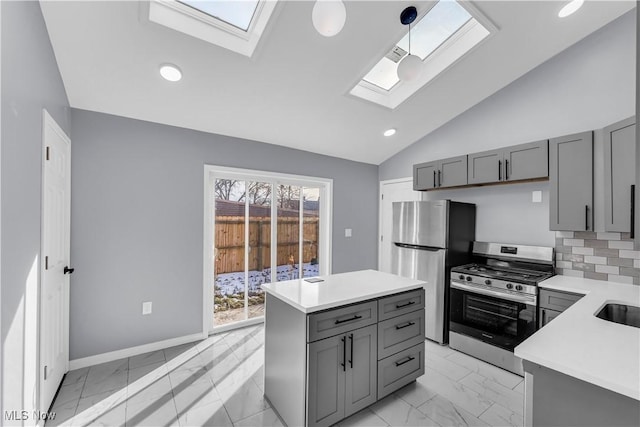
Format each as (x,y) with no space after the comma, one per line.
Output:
(68,270)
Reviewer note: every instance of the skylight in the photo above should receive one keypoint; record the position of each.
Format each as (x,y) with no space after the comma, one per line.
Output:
(237,13)
(442,36)
(236,25)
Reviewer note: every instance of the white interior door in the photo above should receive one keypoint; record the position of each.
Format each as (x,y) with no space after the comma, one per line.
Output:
(54,288)
(397,190)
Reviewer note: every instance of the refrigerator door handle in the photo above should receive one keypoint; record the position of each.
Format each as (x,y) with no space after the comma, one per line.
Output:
(417,247)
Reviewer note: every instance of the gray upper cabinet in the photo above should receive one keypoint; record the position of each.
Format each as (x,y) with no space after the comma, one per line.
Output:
(516,163)
(619,174)
(526,161)
(571,182)
(450,172)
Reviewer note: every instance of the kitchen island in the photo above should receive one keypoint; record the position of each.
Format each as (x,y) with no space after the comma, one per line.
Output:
(580,369)
(338,345)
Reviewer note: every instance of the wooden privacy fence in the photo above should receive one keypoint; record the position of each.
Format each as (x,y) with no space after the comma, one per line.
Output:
(229,241)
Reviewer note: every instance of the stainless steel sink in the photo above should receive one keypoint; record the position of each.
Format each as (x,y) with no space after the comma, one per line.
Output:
(620,313)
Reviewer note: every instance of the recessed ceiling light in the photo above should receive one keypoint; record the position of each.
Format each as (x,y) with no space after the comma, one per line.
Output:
(389,132)
(170,72)
(570,8)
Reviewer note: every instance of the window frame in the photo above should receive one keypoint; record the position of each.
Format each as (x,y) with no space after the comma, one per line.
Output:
(211,173)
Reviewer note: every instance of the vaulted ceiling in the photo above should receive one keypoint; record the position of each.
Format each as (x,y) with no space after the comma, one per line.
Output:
(294,91)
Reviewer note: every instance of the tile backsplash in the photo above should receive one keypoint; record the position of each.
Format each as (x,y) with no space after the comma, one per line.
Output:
(600,256)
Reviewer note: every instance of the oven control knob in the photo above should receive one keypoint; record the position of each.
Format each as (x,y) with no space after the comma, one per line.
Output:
(518,287)
(509,286)
(487,282)
(469,278)
(461,277)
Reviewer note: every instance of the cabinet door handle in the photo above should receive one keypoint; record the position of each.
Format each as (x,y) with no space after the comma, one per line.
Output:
(434,178)
(406,325)
(632,225)
(356,317)
(586,217)
(407,360)
(344,354)
(405,305)
(506,170)
(439,178)
(499,170)
(351,354)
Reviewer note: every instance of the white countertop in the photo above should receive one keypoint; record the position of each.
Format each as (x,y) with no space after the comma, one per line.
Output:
(339,289)
(579,344)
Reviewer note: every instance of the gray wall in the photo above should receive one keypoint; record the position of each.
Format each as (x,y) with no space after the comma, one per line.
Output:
(588,86)
(137,224)
(30,82)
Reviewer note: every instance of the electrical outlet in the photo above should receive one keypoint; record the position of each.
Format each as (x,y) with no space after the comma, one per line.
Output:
(347,232)
(146,307)
(536,196)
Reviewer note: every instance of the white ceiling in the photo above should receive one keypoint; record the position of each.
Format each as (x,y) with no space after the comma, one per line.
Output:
(294,91)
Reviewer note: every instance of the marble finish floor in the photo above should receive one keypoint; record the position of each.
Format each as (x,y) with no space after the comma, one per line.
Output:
(219,382)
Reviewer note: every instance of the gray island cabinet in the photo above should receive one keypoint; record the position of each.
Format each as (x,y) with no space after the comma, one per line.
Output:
(334,347)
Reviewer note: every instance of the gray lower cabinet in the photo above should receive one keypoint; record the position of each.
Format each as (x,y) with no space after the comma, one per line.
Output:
(571,182)
(451,172)
(515,163)
(551,303)
(342,375)
(620,175)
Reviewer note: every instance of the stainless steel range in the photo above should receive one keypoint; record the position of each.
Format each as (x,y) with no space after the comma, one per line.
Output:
(494,301)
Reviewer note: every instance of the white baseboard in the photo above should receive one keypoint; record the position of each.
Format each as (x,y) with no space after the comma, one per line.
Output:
(133,351)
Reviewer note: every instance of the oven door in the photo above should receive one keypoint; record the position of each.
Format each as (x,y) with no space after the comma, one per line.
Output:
(501,319)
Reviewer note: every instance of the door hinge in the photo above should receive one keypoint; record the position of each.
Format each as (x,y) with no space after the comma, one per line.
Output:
(47,153)
(45,372)
(46,263)
(381,238)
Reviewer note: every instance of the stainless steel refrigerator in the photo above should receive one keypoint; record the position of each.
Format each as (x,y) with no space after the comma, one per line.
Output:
(428,239)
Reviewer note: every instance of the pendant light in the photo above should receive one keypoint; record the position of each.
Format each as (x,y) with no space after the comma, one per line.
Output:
(410,67)
(328,17)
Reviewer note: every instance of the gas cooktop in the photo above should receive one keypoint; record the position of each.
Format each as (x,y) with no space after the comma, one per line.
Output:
(531,277)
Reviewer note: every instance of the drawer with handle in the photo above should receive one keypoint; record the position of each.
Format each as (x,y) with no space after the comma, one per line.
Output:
(556,300)
(400,332)
(400,369)
(396,305)
(333,322)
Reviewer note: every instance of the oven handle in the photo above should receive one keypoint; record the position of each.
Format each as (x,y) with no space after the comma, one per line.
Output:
(489,292)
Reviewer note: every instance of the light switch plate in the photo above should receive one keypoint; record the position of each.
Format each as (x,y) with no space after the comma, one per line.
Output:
(147,307)
(347,232)
(536,196)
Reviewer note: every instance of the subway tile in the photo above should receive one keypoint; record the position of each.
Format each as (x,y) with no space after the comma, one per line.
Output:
(629,271)
(572,273)
(621,244)
(583,266)
(563,249)
(636,280)
(582,251)
(610,253)
(559,271)
(608,269)
(558,256)
(621,279)
(620,262)
(609,236)
(564,234)
(559,241)
(636,263)
(595,276)
(630,254)
(563,264)
(573,258)
(625,236)
(585,235)
(574,242)
(596,243)
(596,260)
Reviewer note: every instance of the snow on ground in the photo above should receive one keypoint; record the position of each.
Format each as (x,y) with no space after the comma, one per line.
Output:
(233,283)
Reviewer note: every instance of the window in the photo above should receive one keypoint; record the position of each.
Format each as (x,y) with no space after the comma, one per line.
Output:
(233,25)
(443,35)
(260,228)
